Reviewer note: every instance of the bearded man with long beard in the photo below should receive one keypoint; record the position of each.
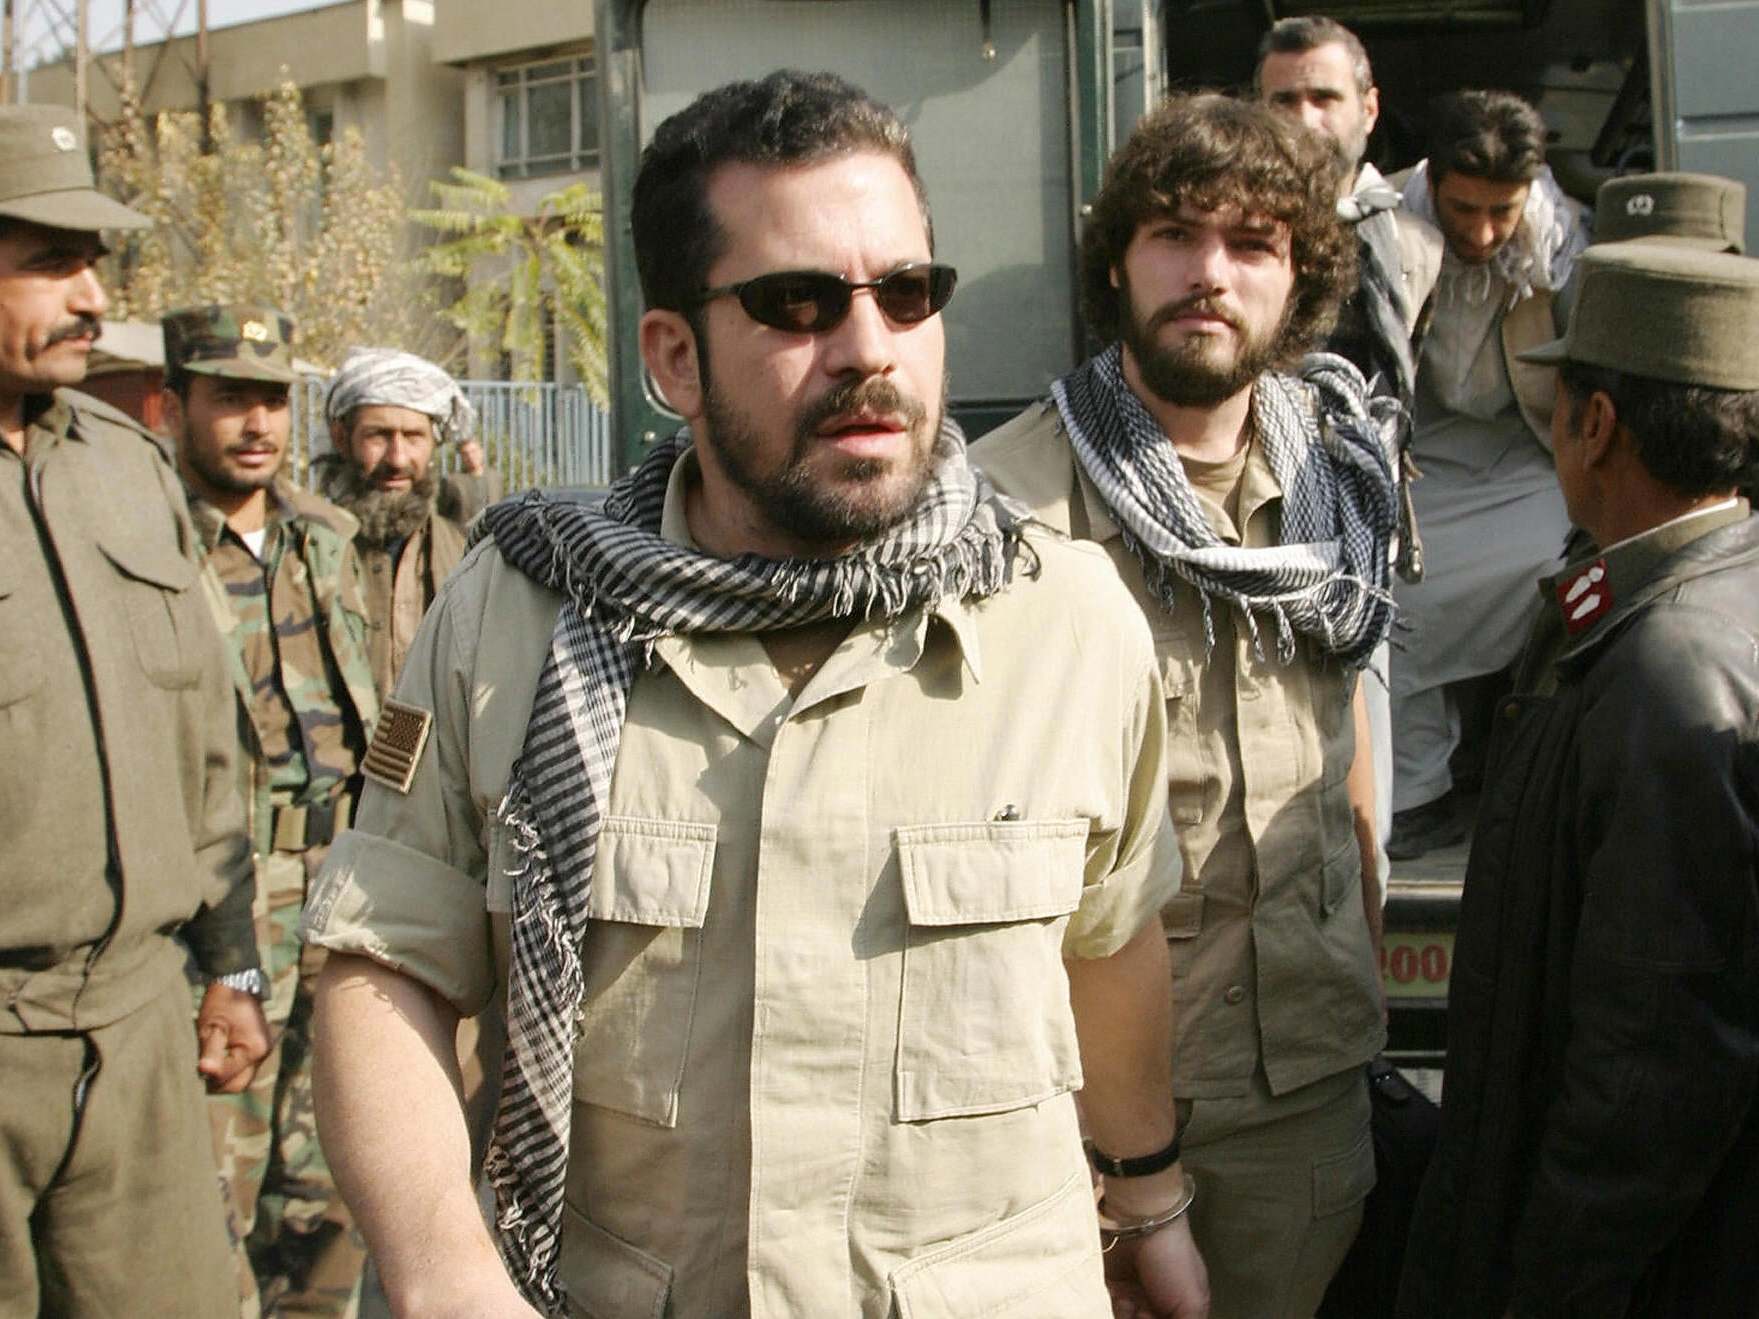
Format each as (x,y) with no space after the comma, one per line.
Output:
(1249,511)
(389,413)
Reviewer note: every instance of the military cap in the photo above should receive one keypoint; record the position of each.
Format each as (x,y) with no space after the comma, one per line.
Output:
(1665,312)
(231,339)
(46,177)
(1696,210)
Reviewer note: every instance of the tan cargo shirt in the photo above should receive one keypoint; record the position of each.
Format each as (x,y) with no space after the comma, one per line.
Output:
(119,812)
(1272,960)
(826,1058)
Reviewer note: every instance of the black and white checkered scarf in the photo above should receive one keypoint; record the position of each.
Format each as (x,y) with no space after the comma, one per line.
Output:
(627,586)
(1329,577)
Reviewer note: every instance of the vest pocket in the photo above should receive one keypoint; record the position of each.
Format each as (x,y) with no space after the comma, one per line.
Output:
(1042,1263)
(605,1277)
(984,1024)
(643,962)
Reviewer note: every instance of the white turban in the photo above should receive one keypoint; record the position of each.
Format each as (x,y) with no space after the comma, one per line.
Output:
(389,378)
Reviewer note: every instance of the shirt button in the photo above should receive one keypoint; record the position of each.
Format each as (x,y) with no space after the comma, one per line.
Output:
(1234,994)
(1512,709)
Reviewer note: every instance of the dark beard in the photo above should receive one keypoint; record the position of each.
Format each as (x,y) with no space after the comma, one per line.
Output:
(1185,376)
(793,501)
(385,518)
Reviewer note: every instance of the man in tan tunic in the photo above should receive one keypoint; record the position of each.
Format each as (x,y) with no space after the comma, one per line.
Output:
(1249,512)
(119,812)
(746,791)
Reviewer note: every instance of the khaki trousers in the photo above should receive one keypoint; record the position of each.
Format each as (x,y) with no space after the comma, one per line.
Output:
(110,1206)
(1280,1185)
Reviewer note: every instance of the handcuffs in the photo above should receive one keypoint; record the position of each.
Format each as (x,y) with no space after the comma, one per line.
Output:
(1111,1232)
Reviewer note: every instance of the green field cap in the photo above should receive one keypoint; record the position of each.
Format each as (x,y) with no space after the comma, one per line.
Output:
(1699,210)
(46,176)
(1666,312)
(232,339)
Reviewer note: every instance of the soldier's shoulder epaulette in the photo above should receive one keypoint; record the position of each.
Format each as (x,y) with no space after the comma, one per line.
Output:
(92,414)
(315,508)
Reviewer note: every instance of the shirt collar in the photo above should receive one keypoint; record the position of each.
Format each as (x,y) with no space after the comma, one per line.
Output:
(1669,531)
(1596,586)
(674,523)
(731,674)
(211,527)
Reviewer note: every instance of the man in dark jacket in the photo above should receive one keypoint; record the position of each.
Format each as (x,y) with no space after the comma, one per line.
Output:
(1600,1137)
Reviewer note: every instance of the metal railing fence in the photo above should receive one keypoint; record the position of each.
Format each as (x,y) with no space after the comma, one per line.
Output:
(533,434)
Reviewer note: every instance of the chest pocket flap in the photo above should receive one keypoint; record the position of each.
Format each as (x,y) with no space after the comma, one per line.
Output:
(643,962)
(155,560)
(167,618)
(970,874)
(652,872)
(985,1024)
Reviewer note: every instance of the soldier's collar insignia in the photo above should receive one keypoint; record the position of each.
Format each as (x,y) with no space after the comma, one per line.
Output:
(64,138)
(1585,596)
(255,331)
(398,740)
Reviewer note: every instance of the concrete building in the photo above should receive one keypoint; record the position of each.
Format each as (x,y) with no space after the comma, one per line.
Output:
(530,99)
(362,64)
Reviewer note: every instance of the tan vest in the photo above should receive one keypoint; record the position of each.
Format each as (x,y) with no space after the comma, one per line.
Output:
(398,593)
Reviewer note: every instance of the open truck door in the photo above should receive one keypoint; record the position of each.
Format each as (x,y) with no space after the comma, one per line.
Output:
(1701,60)
(1014,108)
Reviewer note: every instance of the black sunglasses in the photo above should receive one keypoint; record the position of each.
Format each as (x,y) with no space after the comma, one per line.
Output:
(814,301)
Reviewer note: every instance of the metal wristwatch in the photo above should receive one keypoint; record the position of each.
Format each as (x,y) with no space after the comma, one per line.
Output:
(252,981)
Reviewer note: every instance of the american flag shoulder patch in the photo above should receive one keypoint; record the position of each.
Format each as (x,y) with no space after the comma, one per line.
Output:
(397,744)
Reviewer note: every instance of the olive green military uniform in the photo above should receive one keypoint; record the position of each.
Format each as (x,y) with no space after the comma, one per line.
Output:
(119,820)
(119,825)
(826,1058)
(1275,996)
(293,617)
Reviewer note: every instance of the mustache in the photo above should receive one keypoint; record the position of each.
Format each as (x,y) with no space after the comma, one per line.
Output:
(874,394)
(1200,304)
(81,326)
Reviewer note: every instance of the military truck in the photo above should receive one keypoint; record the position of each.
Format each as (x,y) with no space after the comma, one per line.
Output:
(1017,104)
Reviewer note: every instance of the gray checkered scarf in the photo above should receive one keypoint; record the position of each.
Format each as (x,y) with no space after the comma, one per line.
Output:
(625,587)
(1329,578)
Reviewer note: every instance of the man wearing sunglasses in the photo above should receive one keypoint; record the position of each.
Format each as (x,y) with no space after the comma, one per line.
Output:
(1249,510)
(742,789)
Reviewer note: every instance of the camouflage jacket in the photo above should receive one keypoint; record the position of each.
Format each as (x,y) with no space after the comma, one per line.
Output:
(322,535)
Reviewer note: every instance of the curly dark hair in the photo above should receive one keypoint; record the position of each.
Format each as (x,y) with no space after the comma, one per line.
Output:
(1211,151)
(1695,440)
(1487,135)
(788,118)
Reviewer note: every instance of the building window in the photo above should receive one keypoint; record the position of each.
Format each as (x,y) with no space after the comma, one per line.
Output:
(549,118)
